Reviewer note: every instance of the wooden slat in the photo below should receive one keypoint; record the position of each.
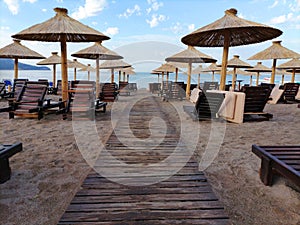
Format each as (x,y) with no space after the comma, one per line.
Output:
(183,198)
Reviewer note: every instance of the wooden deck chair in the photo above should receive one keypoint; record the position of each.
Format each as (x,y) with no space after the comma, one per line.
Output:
(282,160)
(176,91)
(29,102)
(7,151)
(109,92)
(124,88)
(2,89)
(210,86)
(290,91)
(208,105)
(132,87)
(256,99)
(17,87)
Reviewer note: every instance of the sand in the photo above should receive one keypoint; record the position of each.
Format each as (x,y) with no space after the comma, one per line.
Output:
(50,169)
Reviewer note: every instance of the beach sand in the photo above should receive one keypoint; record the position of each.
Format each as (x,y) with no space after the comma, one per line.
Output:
(50,169)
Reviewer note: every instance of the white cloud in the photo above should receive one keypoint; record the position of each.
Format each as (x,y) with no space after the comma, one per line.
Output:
(283,19)
(156,19)
(129,12)
(44,10)
(90,8)
(295,7)
(94,23)
(30,1)
(274,4)
(111,31)
(154,5)
(4,28)
(177,28)
(191,27)
(13,6)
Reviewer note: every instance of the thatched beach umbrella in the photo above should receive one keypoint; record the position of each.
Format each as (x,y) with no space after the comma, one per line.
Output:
(52,60)
(89,69)
(293,66)
(18,51)
(259,67)
(127,71)
(113,64)
(228,31)
(165,68)
(61,28)
(97,52)
(275,51)
(178,66)
(241,72)
(214,68)
(234,63)
(189,56)
(75,64)
(198,70)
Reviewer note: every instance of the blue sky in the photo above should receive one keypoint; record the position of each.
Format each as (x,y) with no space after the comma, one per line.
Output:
(141,21)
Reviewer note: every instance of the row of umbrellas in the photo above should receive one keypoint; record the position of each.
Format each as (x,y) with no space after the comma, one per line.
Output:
(230,30)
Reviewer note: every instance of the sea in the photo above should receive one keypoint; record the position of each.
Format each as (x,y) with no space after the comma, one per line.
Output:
(141,78)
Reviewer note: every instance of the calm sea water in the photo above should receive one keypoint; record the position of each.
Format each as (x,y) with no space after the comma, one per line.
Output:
(141,78)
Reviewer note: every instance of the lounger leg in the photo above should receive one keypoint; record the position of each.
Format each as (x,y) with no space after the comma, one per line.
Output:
(266,174)
(11,115)
(5,170)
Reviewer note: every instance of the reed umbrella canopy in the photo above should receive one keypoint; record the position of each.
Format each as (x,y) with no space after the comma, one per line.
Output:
(97,52)
(293,66)
(213,67)
(52,60)
(61,28)
(275,51)
(198,70)
(235,63)
(17,51)
(190,55)
(230,30)
(259,67)
(75,64)
(113,64)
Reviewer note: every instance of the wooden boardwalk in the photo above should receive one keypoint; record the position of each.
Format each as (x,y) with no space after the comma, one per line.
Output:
(183,198)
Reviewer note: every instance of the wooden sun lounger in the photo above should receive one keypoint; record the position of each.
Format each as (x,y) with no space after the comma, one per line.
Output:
(283,160)
(124,88)
(6,151)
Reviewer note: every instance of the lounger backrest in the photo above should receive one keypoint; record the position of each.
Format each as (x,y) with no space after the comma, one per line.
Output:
(17,87)
(208,105)
(256,98)
(2,87)
(210,86)
(290,91)
(123,84)
(33,94)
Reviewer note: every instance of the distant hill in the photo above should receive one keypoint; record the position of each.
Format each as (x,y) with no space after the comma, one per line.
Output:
(8,64)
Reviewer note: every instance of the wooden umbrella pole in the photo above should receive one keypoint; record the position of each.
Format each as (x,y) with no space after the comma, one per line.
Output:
(89,75)
(128,78)
(257,78)
(213,76)
(250,81)
(176,75)
(75,73)
(64,72)
(54,75)
(16,68)
(112,75)
(233,79)
(224,60)
(124,76)
(282,79)
(198,81)
(188,85)
(273,72)
(97,77)
(293,76)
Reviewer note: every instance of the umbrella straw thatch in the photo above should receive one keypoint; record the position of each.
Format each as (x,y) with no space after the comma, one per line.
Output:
(114,64)
(230,30)
(75,64)
(190,55)
(275,51)
(52,60)
(259,67)
(293,66)
(61,28)
(18,51)
(235,62)
(213,67)
(97,52)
